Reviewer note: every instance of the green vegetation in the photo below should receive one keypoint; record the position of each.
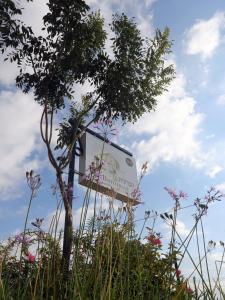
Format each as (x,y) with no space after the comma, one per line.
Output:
(109,260)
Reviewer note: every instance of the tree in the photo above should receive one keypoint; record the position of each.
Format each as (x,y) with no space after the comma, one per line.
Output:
(71,51)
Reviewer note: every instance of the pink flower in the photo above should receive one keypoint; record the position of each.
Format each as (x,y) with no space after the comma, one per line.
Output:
(30,258)
(157,242)
(172,193)
(183,194)
(178,272)
(106,129)
(189,290)
(154,240)
(21,238)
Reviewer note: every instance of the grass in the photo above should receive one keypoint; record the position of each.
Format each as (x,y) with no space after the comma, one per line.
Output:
(110,259)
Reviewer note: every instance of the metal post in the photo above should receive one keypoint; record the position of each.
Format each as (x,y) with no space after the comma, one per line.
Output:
(70,182)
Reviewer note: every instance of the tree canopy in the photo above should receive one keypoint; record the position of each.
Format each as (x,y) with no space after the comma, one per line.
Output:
(72,50)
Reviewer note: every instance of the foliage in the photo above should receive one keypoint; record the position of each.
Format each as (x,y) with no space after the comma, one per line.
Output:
(106,265)
(110,258)
(71,51)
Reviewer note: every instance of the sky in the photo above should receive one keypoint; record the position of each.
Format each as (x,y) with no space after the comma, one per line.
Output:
(183,139)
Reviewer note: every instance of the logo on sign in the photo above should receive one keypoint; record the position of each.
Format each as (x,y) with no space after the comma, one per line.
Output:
(129,162)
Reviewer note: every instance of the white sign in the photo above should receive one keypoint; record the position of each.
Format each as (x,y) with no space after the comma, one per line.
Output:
(107,169)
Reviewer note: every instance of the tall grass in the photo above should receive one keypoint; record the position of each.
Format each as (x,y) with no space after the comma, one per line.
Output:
(111,259)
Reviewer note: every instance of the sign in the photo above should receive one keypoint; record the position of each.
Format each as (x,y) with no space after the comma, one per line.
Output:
(107,168)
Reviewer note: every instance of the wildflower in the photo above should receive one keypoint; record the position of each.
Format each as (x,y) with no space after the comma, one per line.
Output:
(94,171)
(106,129)
(98,177)
(176,196)
(189,290)
(21,238)
(37,223)
(222,243)
(136,194)
(202,208)
(33,181)
(154,240)
(157,242)
(207,197)
(144,167)
(186,289)
(211,245)
(30,258)
(54,189)
(172,193)
(183,195)
(147,214)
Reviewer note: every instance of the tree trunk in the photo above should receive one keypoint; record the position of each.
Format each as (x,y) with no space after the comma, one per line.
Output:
(68,226)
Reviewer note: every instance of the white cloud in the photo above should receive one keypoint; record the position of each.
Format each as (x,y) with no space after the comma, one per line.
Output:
(220,187)
(145,24)
(221,100)
(33,13)
(204,36)
(19,131)
(149,2)
(133,8)
(182,228)
(171,131)
(31,16)
(212,172)
(216,255)
(8,72)
(210,136)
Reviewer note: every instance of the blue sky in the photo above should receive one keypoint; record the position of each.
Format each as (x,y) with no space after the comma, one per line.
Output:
(183,140)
